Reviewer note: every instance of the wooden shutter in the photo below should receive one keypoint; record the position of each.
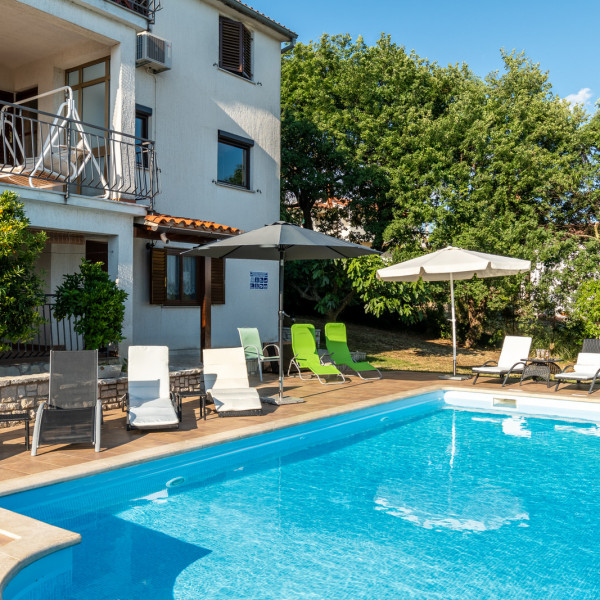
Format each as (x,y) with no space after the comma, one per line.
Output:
(230,45)
(247,53)
(217,280)
(158,276)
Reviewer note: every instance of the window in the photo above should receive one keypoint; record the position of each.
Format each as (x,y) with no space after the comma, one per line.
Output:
(233,162)
(97,252)
(177,279)
(142,130)
(235,48)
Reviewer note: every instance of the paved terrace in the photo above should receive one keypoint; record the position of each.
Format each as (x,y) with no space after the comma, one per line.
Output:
(19,470)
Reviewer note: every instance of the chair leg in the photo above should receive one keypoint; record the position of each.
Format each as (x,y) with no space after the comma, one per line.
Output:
(98,426)
(36,429)
(476,377)
(259,368)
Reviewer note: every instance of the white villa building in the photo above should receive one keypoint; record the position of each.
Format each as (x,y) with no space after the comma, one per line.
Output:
(134,130)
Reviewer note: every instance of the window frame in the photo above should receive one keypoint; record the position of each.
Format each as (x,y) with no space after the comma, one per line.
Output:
(236,50)
(245,144)
(144,114)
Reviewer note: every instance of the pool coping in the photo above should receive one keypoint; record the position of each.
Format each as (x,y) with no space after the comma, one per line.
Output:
(31,540)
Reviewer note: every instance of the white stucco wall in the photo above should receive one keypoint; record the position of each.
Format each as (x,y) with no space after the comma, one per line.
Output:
(91,217)
(190,103)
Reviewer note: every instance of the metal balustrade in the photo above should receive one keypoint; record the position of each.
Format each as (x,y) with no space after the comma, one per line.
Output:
(53,334)
(146,8)
(60,152)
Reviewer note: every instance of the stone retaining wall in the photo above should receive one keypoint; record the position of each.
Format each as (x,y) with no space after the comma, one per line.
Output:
(27,392)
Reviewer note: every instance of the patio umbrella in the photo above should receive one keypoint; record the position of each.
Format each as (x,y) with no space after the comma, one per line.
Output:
(282,241)
(452,264)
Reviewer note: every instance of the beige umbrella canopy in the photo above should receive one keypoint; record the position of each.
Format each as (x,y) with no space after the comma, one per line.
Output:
(452,264)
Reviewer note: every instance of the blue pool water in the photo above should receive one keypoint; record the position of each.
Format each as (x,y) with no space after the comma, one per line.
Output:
(431,504)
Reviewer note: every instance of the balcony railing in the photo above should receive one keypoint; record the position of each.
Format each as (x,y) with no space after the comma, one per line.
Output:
(54,334)
(146,8)
(60,152)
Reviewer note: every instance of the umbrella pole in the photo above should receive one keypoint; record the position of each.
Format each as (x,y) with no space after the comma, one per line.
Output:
(281,271)
(453,325)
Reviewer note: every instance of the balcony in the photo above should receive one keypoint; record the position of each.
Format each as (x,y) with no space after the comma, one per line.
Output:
(61,153)
(146,8)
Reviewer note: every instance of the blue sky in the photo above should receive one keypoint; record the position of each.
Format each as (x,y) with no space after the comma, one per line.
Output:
(561,36)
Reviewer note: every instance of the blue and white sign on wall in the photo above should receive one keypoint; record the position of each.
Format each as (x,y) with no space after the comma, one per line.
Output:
(259,280)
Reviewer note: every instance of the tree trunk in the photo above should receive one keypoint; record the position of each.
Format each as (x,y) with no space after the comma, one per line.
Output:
(475,315)
(334,314)
(306,213)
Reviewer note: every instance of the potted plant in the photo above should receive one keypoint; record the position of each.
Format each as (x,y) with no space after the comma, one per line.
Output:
(97,307)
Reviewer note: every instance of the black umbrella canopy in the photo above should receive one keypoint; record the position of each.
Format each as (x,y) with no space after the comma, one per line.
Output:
(282,241)
(269,241)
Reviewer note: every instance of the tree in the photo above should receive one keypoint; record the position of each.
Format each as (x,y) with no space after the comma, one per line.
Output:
(20,286)
(95,303)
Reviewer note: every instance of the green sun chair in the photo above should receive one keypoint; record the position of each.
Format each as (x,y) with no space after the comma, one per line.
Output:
(306,356)
(254,349)
(337,346)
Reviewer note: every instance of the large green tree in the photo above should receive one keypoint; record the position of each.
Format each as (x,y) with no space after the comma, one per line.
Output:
(20,286)
(499,164)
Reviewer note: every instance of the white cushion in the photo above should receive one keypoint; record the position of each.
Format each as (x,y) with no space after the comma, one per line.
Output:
(235,400)
(514,349)
(491,370)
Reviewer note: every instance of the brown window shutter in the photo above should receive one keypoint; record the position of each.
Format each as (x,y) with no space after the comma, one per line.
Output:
(247,53)
(230,45)
(158,276)
(217,266)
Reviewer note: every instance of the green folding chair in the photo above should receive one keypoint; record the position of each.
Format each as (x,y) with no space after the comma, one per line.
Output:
(306,356)
(337,346)
(253,348)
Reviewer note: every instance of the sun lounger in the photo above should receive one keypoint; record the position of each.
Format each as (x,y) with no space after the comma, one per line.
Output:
(226,382)
(337,346)
(150,403)
(306,356)
(587,368)
(514,350)
(253,348)
(73,412)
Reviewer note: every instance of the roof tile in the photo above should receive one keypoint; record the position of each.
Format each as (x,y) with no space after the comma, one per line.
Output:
(195,224)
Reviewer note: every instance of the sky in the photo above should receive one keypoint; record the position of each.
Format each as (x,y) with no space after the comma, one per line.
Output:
(560,35)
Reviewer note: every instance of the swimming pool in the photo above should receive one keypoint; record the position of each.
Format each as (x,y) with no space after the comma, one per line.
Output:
(414,499)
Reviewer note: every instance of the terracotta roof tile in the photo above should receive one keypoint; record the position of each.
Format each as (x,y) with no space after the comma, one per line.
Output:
(194,224)
(269,19)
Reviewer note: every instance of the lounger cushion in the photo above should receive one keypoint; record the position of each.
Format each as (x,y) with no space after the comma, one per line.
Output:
(586,367)
(497,370)
(157,414)
(235,400)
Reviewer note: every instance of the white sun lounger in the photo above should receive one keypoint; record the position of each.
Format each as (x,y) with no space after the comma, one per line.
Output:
(587,368)
(150,404)
(226,382)
(514,350)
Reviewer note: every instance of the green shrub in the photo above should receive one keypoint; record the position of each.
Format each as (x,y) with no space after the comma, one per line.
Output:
(20,286)
(94,302)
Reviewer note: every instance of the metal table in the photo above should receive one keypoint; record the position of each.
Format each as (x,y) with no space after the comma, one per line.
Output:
(18,417)
(540,368)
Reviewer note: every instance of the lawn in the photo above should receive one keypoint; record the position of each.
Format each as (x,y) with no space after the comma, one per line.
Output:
(405,351)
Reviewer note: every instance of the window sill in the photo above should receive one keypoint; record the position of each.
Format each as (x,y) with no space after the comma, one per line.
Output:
(250,81)
(231,186)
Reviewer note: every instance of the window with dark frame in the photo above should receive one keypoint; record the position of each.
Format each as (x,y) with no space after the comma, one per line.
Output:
(235,48)
(142,130)
(177,279)
(233,161)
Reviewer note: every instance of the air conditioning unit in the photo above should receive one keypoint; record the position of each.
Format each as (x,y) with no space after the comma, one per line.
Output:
(153,52)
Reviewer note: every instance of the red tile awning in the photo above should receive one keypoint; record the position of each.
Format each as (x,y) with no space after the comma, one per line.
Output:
(188,225)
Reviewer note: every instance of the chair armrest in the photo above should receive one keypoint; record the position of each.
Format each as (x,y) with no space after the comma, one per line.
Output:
(490,363)
(521,362)
(276,346)
(567,367)
(255,348)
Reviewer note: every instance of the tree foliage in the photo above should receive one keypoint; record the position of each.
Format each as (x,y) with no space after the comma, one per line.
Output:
(20,286)
(436,156)
(95,303)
